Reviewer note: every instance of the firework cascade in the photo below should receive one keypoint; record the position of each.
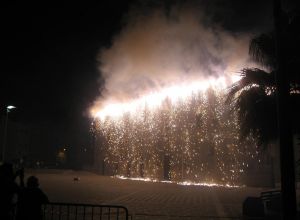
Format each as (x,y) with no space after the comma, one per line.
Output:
(195,138)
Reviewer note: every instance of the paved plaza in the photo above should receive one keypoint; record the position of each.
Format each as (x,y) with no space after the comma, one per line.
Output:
(145,200)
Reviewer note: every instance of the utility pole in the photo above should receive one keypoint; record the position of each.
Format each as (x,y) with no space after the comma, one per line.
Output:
(4,137)
(8,108)
(287,164)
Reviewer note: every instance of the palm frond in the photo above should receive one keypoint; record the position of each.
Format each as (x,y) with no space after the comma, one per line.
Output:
(257,114)
(251,77)
(262,50)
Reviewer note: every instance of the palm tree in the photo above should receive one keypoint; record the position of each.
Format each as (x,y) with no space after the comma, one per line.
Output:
(254,96)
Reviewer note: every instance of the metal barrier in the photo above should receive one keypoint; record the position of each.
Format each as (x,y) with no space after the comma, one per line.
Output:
(272,202)
(268,195)
(73,211)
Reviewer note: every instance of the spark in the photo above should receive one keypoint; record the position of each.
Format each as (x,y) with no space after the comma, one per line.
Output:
(184,183)
(154,99)
(185,134)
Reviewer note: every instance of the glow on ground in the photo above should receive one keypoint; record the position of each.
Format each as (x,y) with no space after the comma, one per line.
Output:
(184,183)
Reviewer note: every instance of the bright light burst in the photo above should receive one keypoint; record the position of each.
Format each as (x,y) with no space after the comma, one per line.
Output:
(185,134)
(154,99)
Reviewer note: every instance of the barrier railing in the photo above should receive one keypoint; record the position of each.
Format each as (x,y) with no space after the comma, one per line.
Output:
(272,202)
(73,211)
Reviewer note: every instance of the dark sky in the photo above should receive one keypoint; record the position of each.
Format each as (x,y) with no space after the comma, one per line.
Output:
(49,68)
(49,56)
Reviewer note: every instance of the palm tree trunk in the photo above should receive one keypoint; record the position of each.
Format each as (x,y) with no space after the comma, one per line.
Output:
(287,167)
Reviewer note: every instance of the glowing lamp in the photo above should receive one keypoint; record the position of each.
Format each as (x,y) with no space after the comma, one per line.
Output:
(10,107)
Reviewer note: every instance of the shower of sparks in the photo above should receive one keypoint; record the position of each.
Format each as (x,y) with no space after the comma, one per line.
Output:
(183,134)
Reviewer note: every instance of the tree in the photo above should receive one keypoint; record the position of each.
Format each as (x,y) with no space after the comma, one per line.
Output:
(258,88)
(254,95)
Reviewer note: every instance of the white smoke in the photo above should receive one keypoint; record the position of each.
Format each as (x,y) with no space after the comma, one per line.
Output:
(156,49)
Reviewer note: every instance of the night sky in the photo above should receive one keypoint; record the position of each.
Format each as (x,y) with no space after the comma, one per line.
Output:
(49,67)
(49,53)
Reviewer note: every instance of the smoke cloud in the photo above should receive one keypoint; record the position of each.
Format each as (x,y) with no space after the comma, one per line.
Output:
(157,48)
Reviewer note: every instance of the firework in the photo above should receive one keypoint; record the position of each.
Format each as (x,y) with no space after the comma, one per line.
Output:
(184,134)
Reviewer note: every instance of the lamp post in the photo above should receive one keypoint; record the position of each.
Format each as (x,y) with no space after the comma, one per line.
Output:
(8,109)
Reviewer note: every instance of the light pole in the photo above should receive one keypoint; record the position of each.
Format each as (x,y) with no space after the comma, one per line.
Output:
(8,109)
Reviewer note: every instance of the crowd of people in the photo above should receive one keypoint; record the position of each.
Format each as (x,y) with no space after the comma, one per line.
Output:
(18,201)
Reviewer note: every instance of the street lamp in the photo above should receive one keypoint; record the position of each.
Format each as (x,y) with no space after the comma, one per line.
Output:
(8,109)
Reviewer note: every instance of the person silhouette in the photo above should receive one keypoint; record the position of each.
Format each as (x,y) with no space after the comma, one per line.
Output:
(8,189)
(30,200)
